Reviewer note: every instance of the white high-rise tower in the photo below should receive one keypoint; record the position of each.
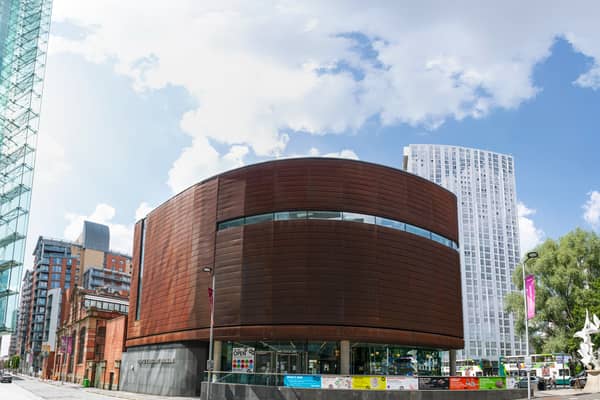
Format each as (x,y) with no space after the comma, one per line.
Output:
(484,183)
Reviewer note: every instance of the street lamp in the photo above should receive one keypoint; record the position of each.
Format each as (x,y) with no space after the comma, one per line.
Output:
(530,256)
(210,364)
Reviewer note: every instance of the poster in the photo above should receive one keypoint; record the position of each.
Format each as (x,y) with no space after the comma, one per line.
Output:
(402,383)
(434,383)
(464,383)
(242,359)
(336,382)
(530,291)
(492,382)
(302,381)
(368,382)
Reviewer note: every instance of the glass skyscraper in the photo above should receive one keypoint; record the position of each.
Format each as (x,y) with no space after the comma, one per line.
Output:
(484,183)
(24,27)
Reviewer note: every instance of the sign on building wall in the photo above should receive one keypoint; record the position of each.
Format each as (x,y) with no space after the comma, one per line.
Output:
(302,381)
(492,383)
(464,383)
(402,383)
(434,383)
(368,382)
(336,382)
(242,359)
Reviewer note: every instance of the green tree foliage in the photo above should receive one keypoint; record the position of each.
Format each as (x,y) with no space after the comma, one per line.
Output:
(567,278)
(15,361)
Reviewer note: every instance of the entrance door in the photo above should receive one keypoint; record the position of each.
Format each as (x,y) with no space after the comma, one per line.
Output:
(263,362)
(288,363)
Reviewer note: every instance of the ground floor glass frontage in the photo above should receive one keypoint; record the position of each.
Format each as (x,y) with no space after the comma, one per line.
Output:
(292,357)
(382,359)
(324,357)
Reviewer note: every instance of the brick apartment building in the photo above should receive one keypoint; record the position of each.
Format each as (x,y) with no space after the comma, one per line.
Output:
(88,318)
(62,264)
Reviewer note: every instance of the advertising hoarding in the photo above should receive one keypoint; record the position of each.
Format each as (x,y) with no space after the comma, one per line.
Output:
(402,383)
(492,382)
(336,382)
(302,381)
(434,383)
(464,383)
(368,382)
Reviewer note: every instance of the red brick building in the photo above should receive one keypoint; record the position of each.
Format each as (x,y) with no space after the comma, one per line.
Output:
(82,333)
(113,350)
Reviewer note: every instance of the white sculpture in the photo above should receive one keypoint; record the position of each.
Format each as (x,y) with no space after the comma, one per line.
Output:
(589,358)
(586,348)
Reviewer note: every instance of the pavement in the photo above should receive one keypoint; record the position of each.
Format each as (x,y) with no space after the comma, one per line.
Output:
(25,387)
(28,388)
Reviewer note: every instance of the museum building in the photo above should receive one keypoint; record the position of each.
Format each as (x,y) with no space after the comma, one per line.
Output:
(321,266)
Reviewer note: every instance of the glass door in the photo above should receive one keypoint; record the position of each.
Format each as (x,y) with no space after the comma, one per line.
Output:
(289,363)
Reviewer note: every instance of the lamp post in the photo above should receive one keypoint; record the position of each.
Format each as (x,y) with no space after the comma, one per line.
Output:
(210,363)
(531,255)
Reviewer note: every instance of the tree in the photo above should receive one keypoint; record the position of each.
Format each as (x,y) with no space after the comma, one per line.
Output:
(567,278)
(14,362)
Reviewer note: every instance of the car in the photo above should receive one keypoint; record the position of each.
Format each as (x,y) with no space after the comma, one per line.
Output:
(522,383)
(6,378)
(579,380)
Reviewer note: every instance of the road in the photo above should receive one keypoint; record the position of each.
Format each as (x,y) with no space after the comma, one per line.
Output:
(26,388)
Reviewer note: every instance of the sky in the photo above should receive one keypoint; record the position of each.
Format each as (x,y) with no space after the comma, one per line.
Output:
(145,98)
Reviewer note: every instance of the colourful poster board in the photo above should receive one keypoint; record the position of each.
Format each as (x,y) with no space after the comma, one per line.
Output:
(336,382)
(434,383)
(492,382)
(302,381)
(464,383)
(401,383)
(368,382)
(242,359)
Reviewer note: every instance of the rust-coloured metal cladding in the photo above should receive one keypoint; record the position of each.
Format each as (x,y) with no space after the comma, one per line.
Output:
(306,278)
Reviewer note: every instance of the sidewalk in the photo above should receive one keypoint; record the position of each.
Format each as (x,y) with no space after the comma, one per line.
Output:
(558,392)
(134,396)
(109,393)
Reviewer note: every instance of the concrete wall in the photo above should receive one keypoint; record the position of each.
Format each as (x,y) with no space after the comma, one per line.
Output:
(249,392)
(173,369)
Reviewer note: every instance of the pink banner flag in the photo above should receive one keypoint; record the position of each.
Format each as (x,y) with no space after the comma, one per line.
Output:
(530,291)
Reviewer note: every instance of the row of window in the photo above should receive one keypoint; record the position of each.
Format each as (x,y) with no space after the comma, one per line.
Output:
(103,305)
(338,216)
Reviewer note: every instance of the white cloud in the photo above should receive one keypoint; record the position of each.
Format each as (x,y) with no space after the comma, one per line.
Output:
(143,210)
(592,209)
(121,235)
(530,235)
(256,69)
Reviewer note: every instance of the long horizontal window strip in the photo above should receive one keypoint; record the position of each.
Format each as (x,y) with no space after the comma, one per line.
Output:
(338,216)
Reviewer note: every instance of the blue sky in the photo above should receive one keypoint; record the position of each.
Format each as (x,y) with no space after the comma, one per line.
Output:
(141,102)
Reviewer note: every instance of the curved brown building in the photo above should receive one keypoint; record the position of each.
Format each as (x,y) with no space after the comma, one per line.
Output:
(321,266)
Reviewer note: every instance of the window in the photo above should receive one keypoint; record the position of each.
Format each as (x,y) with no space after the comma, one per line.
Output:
(390,223)
(287,215)
(231,223)
(57,260)
(354,217)
(418,231)
(332,215)
(55,285)
(141,271)
(81,347)
(255,219)
(56,268)
(56,277)
(337,216)
(69,261)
